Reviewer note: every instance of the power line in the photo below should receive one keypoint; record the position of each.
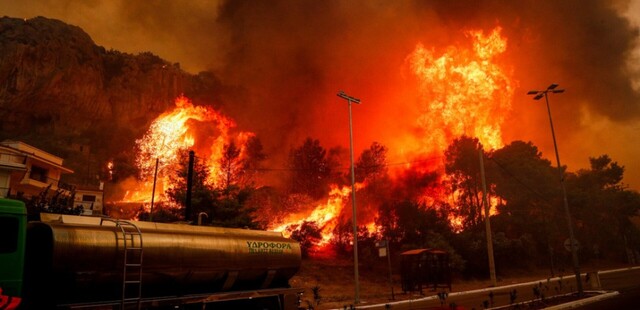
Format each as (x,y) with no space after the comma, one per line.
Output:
(429,159)
(388,165)
(526,186)
(405,163)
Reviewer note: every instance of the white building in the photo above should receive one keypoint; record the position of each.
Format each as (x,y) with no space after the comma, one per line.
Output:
(11,161)
(26,171)
(90,198)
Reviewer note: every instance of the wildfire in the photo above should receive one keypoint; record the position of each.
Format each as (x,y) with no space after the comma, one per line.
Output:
(198,128)
(464,92)
(324,215)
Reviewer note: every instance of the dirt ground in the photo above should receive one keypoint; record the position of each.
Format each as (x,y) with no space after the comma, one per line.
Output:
(333,280)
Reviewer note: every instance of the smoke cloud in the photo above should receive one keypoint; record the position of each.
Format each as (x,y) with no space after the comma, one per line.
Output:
(289,59)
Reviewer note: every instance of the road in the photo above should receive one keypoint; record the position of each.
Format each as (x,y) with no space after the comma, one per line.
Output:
(628,299)
(626,281)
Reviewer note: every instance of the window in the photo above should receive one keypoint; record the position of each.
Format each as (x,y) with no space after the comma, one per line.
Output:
(91,198)
(38,174)
(8,234)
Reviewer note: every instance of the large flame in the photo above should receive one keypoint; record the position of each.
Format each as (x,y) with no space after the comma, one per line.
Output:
(324,215)
(186,127)
(464,92)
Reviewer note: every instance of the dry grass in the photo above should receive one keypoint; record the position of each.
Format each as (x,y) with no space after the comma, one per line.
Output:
(335,279)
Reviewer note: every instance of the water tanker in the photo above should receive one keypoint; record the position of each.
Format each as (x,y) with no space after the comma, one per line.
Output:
(65,261)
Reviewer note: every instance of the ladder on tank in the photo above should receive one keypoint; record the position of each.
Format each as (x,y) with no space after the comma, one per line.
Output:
(131,241)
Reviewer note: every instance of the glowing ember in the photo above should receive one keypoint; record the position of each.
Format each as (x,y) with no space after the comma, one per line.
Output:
(110,169)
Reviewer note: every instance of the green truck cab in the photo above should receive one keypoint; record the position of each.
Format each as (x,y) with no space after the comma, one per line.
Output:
(13,222)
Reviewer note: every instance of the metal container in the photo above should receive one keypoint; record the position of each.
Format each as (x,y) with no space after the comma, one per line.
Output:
(78,259)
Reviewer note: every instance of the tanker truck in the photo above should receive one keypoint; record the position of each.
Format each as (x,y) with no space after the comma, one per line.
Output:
(81,262)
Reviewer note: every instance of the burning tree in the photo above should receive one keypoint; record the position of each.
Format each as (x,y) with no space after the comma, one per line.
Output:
(372,163)
(463,169)
(224,156)
(308,234)
(240,164)
(431,197)
(230,167)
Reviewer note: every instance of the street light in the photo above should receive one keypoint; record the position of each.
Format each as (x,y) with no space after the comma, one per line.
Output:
(350,99)
(538,94)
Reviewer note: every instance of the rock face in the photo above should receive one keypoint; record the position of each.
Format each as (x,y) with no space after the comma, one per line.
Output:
(57,85)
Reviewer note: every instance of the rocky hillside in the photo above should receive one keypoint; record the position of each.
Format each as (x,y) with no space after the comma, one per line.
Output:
(59,90)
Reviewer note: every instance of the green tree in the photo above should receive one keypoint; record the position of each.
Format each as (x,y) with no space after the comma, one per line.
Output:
(603,207)
(531,212)
(409,222)
(203,195)
(233,211)
(529,188)
(228,210)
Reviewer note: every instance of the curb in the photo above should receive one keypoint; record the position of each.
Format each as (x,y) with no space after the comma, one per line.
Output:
(584,301)
(570,305)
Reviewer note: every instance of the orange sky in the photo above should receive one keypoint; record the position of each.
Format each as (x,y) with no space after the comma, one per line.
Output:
(291,58)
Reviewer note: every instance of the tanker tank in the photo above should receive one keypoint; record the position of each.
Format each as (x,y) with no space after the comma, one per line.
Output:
(73,259)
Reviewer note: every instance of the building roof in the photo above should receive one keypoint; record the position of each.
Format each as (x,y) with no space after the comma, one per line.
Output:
(36,153)
(420,251)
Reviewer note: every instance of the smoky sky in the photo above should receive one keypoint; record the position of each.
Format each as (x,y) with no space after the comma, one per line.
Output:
(290,58)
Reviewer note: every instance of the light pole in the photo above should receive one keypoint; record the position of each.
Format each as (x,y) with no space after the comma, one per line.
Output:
(153,191)
(350,99)
(538,94)
(155,177)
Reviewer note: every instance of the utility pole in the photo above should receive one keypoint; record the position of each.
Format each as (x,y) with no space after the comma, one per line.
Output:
(485,201)
(153,191)
(350,99)
(155,178)
(187,204)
